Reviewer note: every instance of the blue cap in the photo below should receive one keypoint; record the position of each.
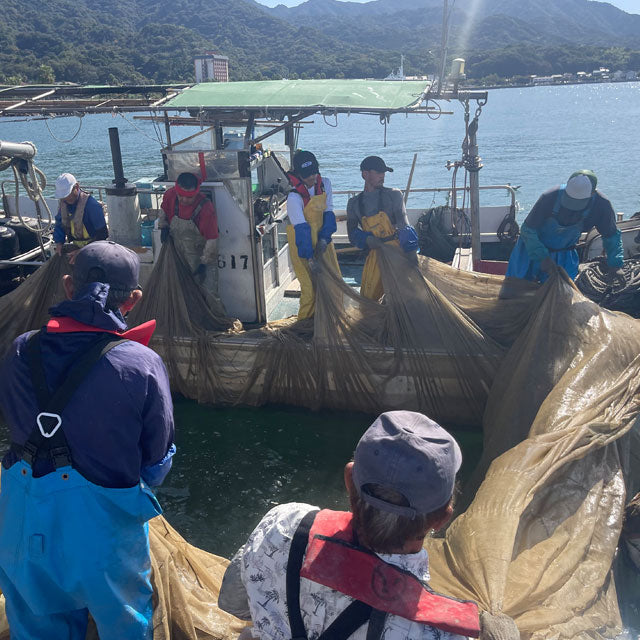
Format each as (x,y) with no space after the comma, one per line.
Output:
(120,266)
(411,454)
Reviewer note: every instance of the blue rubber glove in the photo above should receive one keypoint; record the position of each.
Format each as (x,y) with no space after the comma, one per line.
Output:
(535,248)
(360,238)
(408,239)
(303,240)
(200,273)
(329,226)
(164,234)
(614,250)
(154,474)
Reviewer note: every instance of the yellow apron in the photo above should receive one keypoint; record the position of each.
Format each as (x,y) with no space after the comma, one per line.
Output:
(73,224)
(313,215)
(381,227)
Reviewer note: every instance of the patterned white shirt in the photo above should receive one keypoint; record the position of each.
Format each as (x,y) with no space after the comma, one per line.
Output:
(263,562)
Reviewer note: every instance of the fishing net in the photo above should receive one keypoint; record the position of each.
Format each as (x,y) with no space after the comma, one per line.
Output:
(415,350)
(553,377)
(188,320)
(539,538)
(26,307)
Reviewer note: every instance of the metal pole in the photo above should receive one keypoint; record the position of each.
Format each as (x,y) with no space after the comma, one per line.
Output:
(116,156)
(443,61)
(25,150)
(474,164)
(167,129)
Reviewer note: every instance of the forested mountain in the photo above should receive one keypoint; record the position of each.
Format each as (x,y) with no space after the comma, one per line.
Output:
(109,41)
(475,24)
(139,41)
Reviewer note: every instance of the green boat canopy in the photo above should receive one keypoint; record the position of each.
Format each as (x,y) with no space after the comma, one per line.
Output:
(292,96)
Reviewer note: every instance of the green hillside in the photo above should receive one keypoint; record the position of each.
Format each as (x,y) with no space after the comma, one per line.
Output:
(110,41)
(138,41)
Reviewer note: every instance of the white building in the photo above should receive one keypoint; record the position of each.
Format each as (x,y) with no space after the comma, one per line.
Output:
(211,67)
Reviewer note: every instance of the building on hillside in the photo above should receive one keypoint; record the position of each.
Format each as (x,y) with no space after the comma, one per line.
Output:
(211,67)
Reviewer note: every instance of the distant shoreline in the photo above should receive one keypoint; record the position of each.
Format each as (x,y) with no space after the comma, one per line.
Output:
(550,84)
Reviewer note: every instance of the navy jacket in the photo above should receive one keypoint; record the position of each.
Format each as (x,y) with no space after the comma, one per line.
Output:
(119,424)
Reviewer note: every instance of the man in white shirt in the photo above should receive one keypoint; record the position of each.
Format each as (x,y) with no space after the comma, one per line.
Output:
(363,574)
(312,223)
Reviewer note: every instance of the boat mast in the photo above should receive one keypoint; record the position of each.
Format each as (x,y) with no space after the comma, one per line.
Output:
(443,47)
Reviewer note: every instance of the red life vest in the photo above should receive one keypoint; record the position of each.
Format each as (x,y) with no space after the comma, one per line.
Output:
(301,188)
(142,333)
(333,560)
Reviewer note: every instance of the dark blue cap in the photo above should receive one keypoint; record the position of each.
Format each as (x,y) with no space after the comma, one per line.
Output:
(120,266)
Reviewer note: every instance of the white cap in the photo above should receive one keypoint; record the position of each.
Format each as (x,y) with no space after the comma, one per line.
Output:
(64,185)
(579,187)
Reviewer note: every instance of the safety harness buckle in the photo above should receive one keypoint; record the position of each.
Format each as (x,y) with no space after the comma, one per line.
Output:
(61,457)
(28,452)
(52,422)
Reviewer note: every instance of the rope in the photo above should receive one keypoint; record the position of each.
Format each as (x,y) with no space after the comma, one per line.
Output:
(595,283)
(138,129)
(335,115)
(72,138)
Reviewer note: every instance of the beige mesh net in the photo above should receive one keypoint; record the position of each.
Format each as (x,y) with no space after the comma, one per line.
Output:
(553,378)
(539,538)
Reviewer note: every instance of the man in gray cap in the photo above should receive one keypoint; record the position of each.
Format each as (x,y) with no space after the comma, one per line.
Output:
(376,216)
(305,573)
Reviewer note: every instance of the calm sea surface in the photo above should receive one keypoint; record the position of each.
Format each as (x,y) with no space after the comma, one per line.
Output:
(534,137)
(234,464)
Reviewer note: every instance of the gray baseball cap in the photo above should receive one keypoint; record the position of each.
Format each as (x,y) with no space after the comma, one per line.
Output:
(412,454)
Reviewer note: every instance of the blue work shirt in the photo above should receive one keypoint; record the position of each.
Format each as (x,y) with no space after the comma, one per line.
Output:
(92,219)
(119,423)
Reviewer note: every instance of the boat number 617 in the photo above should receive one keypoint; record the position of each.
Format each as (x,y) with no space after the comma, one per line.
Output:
(234,262)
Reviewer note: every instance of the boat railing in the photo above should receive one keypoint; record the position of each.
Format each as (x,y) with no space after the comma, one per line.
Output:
(452,192)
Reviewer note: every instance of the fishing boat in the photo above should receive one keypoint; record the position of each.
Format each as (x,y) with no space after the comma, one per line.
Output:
(247,180)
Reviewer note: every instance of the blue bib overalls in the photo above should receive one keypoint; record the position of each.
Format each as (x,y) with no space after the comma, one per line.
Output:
(67,546)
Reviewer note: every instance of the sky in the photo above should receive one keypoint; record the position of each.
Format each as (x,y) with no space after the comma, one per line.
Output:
(630,6)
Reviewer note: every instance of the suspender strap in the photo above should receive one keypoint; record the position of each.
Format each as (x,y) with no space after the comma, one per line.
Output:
(47,439)
(294,564)
(376,624)
(195,216)
(348,622)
